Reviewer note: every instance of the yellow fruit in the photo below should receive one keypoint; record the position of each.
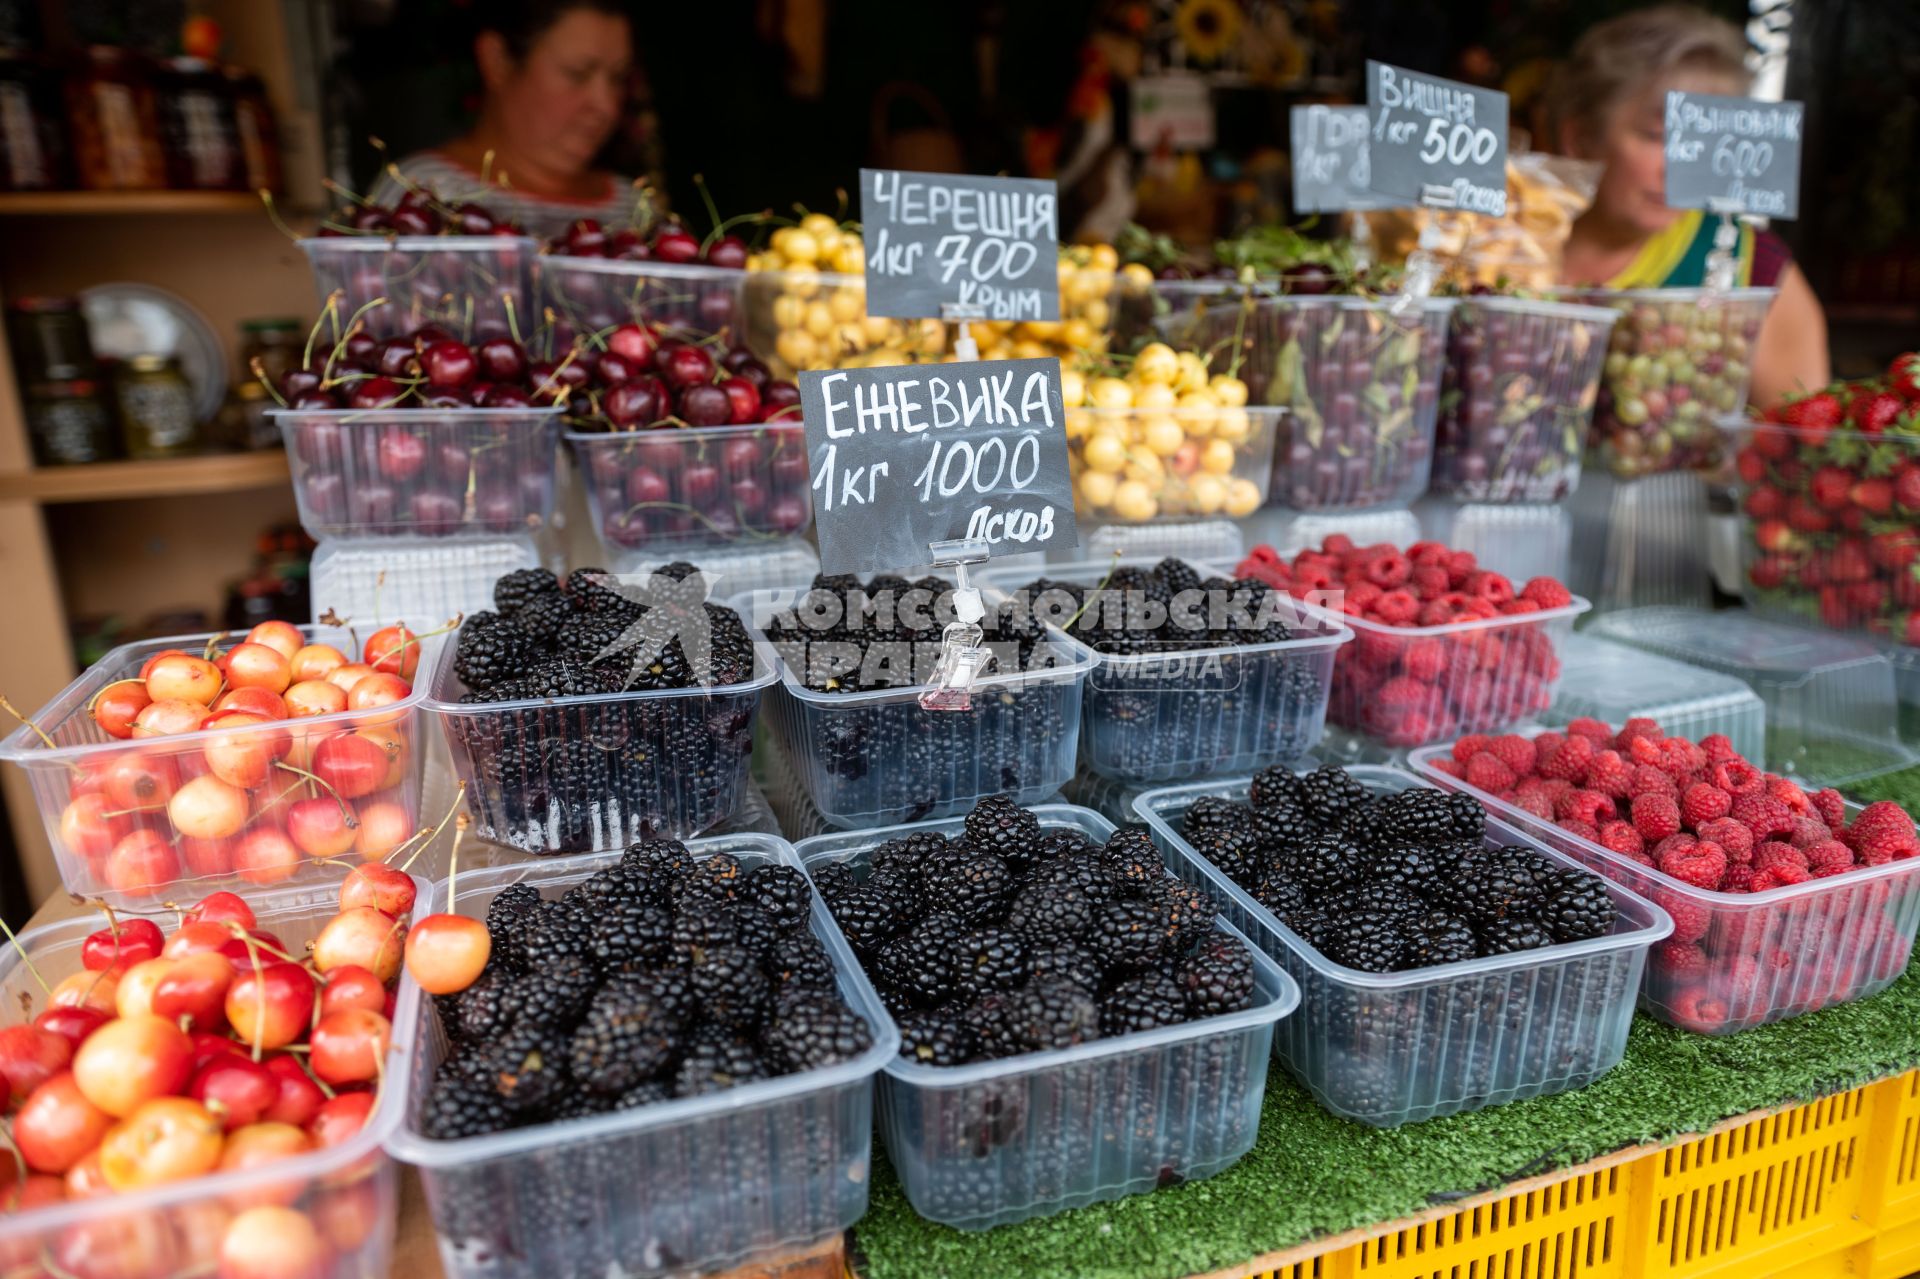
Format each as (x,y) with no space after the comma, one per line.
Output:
(848,338)
(1243,498)
(1232,425)
(1029,350)
(1230,391)
(1197,423)
(1104,453)
(850,258)
(789,312)
(1096,488)
(1163,435)
(1079,424)
(928,337)
(1078,335)
(1144,465)
(1206,493)
(1104,257)
(1193,373)
(1109,393)
(1039,330)
(828,243)
(844,305)
(1073,387)
(802,281)
(1077,287)
(1135,278)
(886,357)
(819,321)
(1200,399)
(1154,395)
(778,240)
(878,330)
(1096,314)
(1217,457)
(802,247)
(796,346)
(1133,500)
(1156,363)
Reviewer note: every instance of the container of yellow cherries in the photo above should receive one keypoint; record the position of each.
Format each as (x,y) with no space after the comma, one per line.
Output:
(1160,438)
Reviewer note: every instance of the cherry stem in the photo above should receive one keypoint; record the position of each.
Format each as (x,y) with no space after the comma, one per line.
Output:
(331,310)
(428,835)
(260,372)
(38,979)
(273,214)
(260,982)
(37,731)
(453,860)
(346,812)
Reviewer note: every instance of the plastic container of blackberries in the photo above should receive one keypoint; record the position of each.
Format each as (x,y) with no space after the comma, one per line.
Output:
(1191,712)
(582,774)
(426,473)
(686,1186)
(349,1192)
(1395,1048)
(469,285)
(687,300)
(1738,960)
(1516,398)
(672,488)
(1409,685)
(875,757)
(108,803)
(998,1141)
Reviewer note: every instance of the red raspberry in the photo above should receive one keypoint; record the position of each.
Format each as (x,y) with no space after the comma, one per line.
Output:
(1428,553)
(1786,873)
(1453,768)
(1397,608)
(1808,831)
(1533,802)
(1646,750)
(1389,570)
(1585,830)
(1621,837)
(1698,1010)
(1465,748)
(1772,855)
(1401,693)
(1486,771)
(1460,566)
(1545,744)
(1878,847)
(1424,660)
(1762,881)
(1882,816)
(1586,805)
(1678,843)
(1570,761)
(1739,983)
(1762,814)
(1428,580)
(1360,598)
(1638,726)
(1441,610)
(1703,865)
(1655,816)
(1546,592)
(1490,586)
(1610,775)
(1691,920)
(1515,751)
(1737,777)
(1730,835)
(1719,748)
(1515,606)
(1829,857)
(1679,960)
(1703,803)
(1681,758)
(1788,793)
(1587,726)
(1739,878)
(1830,807)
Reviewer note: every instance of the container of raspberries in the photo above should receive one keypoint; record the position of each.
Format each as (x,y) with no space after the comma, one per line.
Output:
(693,300)
(184,764)
(1782,901)
(1446,962)
(399,284)
(666,1067)
(422,472)
(1517,397)
(1441,645)
(1232,679)
(587,714)
(854,659)
(1678,360)
(1076,1024)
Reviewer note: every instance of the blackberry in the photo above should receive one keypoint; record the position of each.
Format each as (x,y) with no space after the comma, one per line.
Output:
(721,872)
(1576,907)
(579,1104)
(1060,842)
(732,989)
(1047,1015)
(1328,793)
(831,880)
(1282,825)
(479,1012)
(1469,816)
(554,993)
(1505,936)
(988,959)
(866,915)
(919,964)
(1217,978)
(599,639)
(628,929)
(506,918)
(1275,786)
(1438,938)
(521,587)
(1068,961)
(700,924)
(1187,911)
(1321,864)
(559,677)
(664,862)
(935,1038)
(1081,870)
(1177,575)
(461,1102)
(1410,866)
(800,962)
(1235,852)
(974,886)
(1419,816)
(1375,897)
(899,860)
(556,931)
(626,1038)
(998,825)
(1492,889)
(650,1093)
(1312,926)
(1044,912)
(1132,859)
(601,887)
(1129,935)
(1143,1003)
(544,617)
(672,989)
(986,1021)
(527,1066)
(1278,893)
(593,590)
(813,1030)
(489,650)
(1210,812)
(716,1059)
(1370,941)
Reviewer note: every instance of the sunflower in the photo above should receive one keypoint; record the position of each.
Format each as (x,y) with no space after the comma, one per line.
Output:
(1207,28)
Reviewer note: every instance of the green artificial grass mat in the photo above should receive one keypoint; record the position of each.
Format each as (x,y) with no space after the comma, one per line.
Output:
(1311,1174)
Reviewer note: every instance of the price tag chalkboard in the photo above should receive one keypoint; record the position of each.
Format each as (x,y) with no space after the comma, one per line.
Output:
(1436,142)
(1733,155)
(909,455)
(1330,159)
(936,240)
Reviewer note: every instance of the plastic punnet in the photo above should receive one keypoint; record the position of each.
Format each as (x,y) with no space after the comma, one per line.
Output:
(662,491)
(473,286)
(1613,683)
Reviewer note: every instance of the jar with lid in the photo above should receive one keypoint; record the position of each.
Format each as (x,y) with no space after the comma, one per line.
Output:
(197,131)
(68,418)
(113,124)
(33,148)
(253,123)
(156,407)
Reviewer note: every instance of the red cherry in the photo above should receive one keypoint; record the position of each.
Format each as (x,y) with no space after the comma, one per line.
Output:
(72,1024)
(445,953)
(688,365)
(351,986)
(729,251)
(395,357)
(349,1046)
(387,889)
(744,396)
(633,342)
(126,941)
(238,1090)
(676,245)
(403,454)
(222,908)
(271,1008)
(300,1098)
(340,1118)
(449,364)
(501,360)
(705,406)
(375,393)
(633,403)
(29,1056)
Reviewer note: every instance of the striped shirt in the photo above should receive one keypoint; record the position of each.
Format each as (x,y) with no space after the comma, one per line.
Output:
(536,215)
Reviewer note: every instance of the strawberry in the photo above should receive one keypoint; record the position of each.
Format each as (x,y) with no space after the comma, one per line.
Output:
(1906,486)
(1874,496)
(1765,502)
(1770,571)
(1772,445)
(1806,516)
(1815,415)
(1655,816)
(1903,377)
(1830,487)
(1875,411)
(1849,562)
(1894,549)
(1751,465)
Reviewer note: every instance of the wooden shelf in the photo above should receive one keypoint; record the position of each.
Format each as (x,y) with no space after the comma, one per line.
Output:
(122,203)
(171,477)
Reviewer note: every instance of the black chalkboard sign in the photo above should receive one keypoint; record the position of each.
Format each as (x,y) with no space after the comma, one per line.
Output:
(1436,142)
(1733,155)
(1330,159)
(938,240)
(909,455)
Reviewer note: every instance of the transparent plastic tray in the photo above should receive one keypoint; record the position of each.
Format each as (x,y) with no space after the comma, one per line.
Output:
(1641,542)
(1140,312)
(1677,360)
(424,583)
(797,816)
(994,1142)
(1614,683)
(438,473)
(1190,540)
(1856,578)
(1518,539)
(104,800)
(1906,681)
(1289,534)
(805,319)
(688,300)
(1396,1048)
(790,564)
(581,774)
(682,1187)
(877,757)
(1737,960)
(473,286)
(667,490)
(1192,712)
(1141,466)
(1832,716)
(1517,397)
(1392,684)
(1111,799)
(350,1192)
